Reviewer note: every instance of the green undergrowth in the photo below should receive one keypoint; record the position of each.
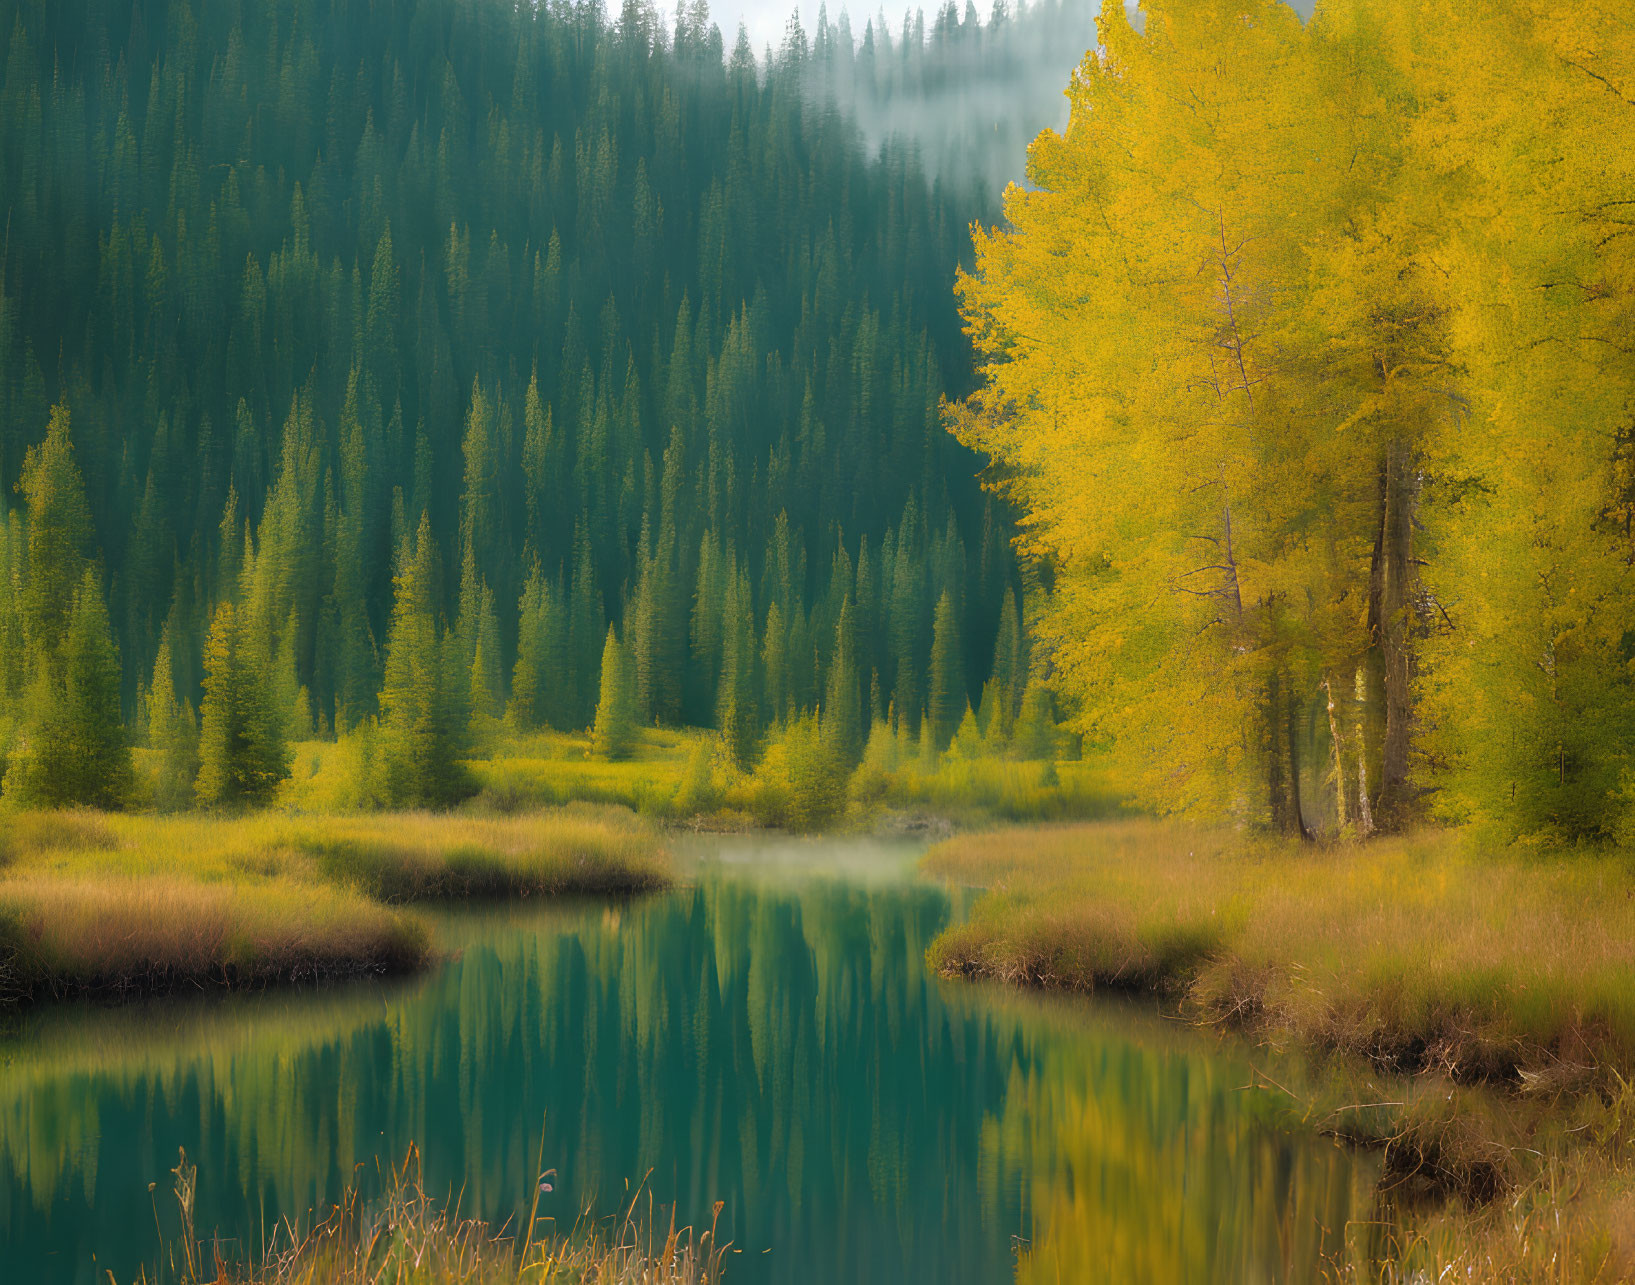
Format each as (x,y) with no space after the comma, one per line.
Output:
(687,777)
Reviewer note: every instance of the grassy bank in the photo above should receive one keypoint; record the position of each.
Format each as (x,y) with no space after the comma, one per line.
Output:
(115,904)
(1494,989)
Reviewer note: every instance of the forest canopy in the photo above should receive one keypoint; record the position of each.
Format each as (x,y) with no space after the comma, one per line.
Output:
(1309,361)
(391,353)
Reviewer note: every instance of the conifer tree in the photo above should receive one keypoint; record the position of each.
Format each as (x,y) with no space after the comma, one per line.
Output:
(948,700)
(738,718)
(13,544)
(614,735)
(361,357)
(243,754)
(425,702)
(72,748)
(844,727)
(587,624)
(533,677)
(173,736)
(1035,733)
(905,628)
(1003,694)
(775,665)
(968,742)
(59,539)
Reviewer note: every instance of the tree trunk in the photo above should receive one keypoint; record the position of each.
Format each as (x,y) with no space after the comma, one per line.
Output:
(1277,794)
(1390,663)
(1297,811)
(1365,811)
(1281,744)
(1336,740)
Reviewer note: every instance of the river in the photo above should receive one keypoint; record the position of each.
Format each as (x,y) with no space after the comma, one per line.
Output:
(766,1035)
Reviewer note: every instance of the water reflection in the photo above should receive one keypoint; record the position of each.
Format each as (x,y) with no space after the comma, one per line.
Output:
(776,1044)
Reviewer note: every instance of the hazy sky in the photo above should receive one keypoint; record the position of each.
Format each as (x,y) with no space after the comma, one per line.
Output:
(766,18)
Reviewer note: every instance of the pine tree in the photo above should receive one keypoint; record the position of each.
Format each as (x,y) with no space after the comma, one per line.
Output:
(738,717)
(775,665)
(844,727)
(905,626)
(361,356)
(243,754)
(1035,733)
(968,741)
(59,539)
(72,748)
(533,678)
(484,669)
(948,700)
(173,736)
(356,677)
(425,711)
(13,555)
(587,623)
(614,736)
(1009,672)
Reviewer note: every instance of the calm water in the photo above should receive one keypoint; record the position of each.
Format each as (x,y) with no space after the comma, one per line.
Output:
(763,1037)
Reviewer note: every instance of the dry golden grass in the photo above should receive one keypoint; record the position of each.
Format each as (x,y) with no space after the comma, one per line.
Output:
(1501,985)
(415,856)
(153,932)
(115,904)
(1418,952)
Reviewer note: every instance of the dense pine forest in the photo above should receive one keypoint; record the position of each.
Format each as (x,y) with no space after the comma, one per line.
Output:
(418,366)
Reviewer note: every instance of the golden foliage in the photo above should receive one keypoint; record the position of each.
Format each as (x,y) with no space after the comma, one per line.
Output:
(1307,360)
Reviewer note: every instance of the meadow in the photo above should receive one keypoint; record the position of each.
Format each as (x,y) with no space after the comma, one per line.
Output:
(116,904)
(686,777)
(316,885)
(1475,1005)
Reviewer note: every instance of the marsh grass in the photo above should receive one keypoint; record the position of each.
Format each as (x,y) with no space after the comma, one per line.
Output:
(152,933)
(1418,953)
(442,856)
(118,904)
(1491,989)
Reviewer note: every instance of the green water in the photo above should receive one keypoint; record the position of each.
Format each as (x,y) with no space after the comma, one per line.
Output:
(763,1037)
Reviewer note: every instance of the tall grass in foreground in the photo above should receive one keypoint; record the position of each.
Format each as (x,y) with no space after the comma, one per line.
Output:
(117,904)
(408,1238)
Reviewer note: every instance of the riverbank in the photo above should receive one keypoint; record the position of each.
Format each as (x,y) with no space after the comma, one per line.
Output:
(118,905)
(1495,986)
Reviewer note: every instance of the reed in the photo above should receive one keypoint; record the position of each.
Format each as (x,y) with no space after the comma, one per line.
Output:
(406,1237)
